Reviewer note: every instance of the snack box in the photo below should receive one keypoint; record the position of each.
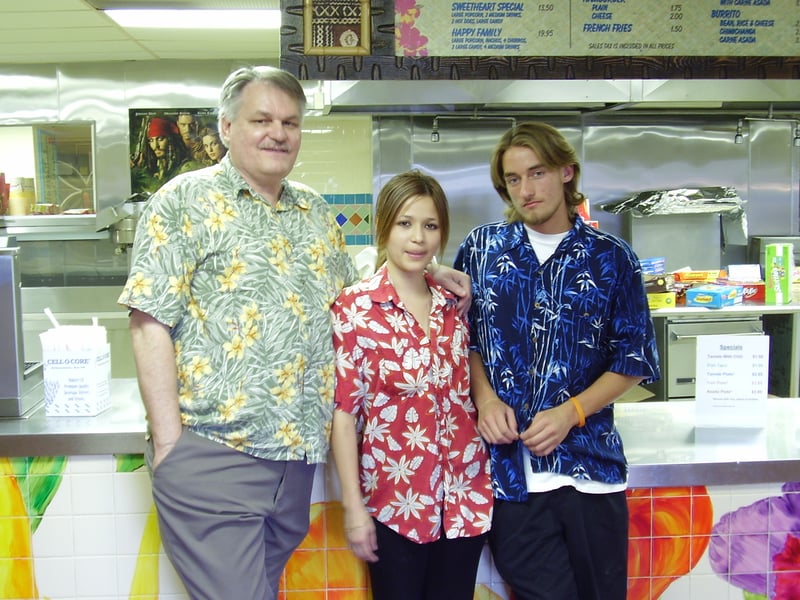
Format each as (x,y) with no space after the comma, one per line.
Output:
(753,292)
(653,266)
(699,276)
(661,300)
(657,284)
(714,296)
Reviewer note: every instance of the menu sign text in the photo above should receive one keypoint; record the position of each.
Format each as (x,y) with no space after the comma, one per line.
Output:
(609,28)
(731,380)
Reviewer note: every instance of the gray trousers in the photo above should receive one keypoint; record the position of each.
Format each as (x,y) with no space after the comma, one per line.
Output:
(229,521)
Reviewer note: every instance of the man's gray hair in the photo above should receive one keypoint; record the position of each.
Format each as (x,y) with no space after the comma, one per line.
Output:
(231,94)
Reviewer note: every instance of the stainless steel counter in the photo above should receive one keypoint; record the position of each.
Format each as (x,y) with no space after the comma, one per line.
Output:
(663,446)
(738,309)
(118,430)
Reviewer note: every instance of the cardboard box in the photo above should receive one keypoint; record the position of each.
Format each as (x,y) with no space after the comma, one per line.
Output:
(77,383)
(653,266)
(658,300)
(698,276)
(77,371)
(714,296)
(657,284)
(753,292)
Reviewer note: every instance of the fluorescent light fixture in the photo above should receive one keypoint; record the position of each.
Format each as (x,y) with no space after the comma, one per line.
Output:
(195,19)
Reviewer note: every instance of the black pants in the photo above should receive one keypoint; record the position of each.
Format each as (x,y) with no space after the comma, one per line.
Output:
(440,570)
(563,545)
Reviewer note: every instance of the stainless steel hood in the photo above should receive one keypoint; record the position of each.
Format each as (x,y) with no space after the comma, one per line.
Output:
(779,97)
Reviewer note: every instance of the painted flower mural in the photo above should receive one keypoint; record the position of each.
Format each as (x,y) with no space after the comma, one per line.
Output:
(757,547)
(408,37)
(668,531)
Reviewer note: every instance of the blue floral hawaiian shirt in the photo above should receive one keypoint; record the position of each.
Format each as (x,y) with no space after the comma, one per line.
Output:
(547,331)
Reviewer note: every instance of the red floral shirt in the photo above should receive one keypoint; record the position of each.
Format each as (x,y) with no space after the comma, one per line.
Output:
(424,467)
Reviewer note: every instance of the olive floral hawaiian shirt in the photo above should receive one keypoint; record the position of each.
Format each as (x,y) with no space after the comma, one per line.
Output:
(246,289)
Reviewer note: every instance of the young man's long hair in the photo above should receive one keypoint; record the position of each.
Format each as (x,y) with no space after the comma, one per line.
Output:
(552,149)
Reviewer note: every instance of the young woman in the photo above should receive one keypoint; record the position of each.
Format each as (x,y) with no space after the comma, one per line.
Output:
(413,468)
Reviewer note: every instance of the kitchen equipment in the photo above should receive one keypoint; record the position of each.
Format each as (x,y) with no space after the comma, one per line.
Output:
(757,247)
(121,219)
(700,235)
(680,360)
(20,382)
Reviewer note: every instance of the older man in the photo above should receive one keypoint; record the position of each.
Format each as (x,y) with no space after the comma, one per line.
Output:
(234,270)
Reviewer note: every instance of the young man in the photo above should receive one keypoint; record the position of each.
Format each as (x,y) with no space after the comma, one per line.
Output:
(234,270)
(560,329)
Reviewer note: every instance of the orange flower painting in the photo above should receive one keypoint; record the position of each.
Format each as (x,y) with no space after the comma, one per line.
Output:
(669,531)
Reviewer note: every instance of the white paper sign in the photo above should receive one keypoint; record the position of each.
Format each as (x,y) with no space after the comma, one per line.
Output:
(731,380)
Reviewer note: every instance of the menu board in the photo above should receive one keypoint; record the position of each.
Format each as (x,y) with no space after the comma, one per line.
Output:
(731,380)
(610,28)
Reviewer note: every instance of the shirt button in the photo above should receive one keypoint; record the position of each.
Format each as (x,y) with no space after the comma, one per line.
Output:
(532,372)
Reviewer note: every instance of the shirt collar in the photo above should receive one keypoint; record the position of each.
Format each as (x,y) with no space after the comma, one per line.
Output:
(290,195)
(518,235)
(381,289)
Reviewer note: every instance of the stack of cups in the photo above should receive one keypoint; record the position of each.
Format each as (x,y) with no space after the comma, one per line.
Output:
(22,196)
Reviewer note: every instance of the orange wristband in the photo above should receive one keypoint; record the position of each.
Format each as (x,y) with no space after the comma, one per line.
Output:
(579,410)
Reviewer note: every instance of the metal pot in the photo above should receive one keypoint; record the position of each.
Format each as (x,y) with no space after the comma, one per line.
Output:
(121,219)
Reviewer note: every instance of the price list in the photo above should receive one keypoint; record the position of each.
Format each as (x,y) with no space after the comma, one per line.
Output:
(731,380)
(610,28)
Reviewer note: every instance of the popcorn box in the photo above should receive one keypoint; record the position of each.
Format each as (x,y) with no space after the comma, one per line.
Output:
(77,374)
(714,296)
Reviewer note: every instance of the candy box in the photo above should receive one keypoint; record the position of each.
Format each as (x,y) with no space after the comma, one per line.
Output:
(697,277)
(657,284)
(753,292)
(653,266)
(714,296)
(658,300)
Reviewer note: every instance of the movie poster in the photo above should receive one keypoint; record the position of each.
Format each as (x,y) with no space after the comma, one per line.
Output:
(167,142)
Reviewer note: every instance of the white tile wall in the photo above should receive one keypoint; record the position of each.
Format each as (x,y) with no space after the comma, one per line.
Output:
(92,553)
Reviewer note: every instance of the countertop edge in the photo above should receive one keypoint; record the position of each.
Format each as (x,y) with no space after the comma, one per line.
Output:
(660,438)
(713,473)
